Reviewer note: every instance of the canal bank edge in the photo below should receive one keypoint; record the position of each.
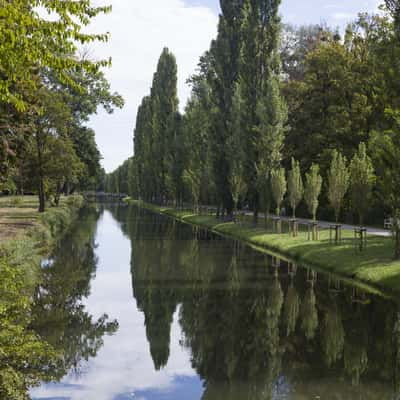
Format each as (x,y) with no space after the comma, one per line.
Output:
(373,270)
(26,250)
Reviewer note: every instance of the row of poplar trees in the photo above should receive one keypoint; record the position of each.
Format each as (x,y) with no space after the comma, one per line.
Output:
(264,94)
(231,134)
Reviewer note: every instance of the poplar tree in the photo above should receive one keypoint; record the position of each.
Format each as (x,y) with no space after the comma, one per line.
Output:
(164,100)
(264,112)
(223,74)
(196,127)
(362,179)
(236,150)
(143,144)
(279,187)
(338,182)
(295,186)
(313,190)
(157,134)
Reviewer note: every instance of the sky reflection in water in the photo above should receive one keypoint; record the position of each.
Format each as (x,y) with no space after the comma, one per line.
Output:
(202,317)
(123,368)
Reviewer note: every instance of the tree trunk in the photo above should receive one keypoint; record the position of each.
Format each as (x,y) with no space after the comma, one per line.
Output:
(397,243)
(255,215)
(256,205)
(42,195)
(58,193)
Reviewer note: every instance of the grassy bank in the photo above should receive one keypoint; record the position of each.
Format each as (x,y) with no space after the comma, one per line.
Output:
(27,236)
(373,266)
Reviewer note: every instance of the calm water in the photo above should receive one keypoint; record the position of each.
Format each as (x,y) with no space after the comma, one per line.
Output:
(146,308)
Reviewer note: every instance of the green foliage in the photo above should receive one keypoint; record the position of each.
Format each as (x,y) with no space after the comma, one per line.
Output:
(248,115)
(394,8)
(291,310)
(73,332)
(338,182)
(332,335)
(295,186)
(309,314)
(362,179)
(385,148)
(158,136)
(313,190)
(264,111)
(30,38)
(221,67)
(278,186)
(235,150)
(196,157)
(25,359)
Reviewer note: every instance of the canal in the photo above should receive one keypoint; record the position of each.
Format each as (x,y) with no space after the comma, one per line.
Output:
(144,307)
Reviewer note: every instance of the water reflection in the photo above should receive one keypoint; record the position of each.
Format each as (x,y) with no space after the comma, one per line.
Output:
(256,327)
(59,316)
(213,319)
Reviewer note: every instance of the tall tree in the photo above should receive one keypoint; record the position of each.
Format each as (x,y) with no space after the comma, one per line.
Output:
(338,182)
(223,74)
(236,152)
(164,102)
(313,190)
(362,179)
(295,186)
(198,175)
(279,187)
(143,144)
(264,111)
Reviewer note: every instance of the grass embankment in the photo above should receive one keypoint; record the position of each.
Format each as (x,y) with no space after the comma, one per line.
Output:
(373,266)
(26,236)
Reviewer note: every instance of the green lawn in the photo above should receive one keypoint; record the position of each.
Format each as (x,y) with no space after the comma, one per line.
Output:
(373,266)
(18,214)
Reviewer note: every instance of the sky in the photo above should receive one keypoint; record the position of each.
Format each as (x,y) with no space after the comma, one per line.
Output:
(140,29)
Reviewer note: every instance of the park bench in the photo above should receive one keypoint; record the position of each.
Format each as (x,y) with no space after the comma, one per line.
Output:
(388,223)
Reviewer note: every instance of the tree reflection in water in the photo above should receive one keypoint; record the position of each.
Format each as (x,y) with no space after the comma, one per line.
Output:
(60,318)
(253,330)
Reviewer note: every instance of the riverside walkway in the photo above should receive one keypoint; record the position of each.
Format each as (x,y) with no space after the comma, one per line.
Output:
(325,224)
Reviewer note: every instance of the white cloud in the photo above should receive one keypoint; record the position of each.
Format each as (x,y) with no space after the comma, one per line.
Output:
(343,15)
(139,31)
